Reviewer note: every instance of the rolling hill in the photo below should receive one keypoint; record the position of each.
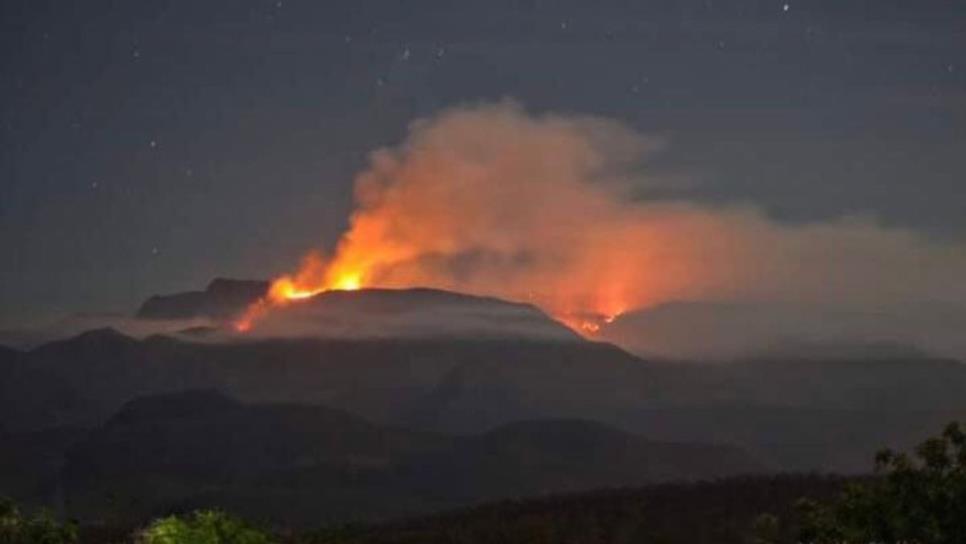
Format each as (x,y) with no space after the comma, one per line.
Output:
(520,400)
(302,464)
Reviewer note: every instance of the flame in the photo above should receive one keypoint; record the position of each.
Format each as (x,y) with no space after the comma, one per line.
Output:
(588,325)
(283,290)
(550,209)
(317,276)
(484,213)
(348,282)
(491,202)
(314,277)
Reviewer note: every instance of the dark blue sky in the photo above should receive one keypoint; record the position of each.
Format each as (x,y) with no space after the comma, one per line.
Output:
(149,146)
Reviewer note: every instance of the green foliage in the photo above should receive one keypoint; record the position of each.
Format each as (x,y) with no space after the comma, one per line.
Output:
(202,527)
(41,528)
(766,529)
(914,500)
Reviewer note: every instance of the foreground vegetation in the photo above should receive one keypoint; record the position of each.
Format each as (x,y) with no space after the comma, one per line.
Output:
(719,512)
(911,499)
(918,499)
(41,528)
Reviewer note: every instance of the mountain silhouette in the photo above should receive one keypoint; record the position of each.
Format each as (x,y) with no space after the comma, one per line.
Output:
(222,298)
(309,463)
(505,414)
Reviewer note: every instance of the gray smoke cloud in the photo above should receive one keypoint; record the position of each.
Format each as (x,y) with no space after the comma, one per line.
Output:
(489,199)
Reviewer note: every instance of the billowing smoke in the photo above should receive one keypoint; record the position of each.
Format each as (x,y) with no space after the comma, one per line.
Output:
(491,200)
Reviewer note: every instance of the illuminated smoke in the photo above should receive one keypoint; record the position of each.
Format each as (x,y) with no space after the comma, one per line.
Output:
(491,200)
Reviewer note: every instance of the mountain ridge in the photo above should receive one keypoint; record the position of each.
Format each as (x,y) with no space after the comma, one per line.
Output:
(208,448)
(222,298)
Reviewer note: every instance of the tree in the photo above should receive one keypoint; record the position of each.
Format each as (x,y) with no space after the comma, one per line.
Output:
(202,527)
(766,529)
(41,528)
(918,499)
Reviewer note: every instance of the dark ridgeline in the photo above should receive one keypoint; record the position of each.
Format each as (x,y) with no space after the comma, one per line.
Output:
(366,313)
(222,299)
(304,465)
(374,427)
(724,511)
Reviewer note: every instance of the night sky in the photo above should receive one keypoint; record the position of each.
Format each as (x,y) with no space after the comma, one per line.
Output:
(150,146)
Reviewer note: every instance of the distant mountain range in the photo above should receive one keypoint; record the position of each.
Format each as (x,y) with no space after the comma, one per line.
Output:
(310,464)
(796,414)
(538,411)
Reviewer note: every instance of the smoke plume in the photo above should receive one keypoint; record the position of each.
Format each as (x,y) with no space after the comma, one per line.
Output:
(491,200)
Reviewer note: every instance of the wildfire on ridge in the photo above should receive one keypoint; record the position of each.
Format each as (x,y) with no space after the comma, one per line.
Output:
(305,284)
(489,201)
(588,325)
(286,290)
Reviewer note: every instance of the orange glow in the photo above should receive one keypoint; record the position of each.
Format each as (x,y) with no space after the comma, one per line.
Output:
(493,203)
(590,327)
(364,259)
(284,289)
(587,325)
(550,209)
(348,282)
(317,275)
(314,277)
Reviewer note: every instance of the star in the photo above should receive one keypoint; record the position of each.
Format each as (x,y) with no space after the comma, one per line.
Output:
(153,144)
(786,7)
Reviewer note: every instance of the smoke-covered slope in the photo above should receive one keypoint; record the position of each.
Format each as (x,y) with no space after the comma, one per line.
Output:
(724,332)
(365,313)
(409,313)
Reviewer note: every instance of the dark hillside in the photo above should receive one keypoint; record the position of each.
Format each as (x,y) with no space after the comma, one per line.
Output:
(719,512)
